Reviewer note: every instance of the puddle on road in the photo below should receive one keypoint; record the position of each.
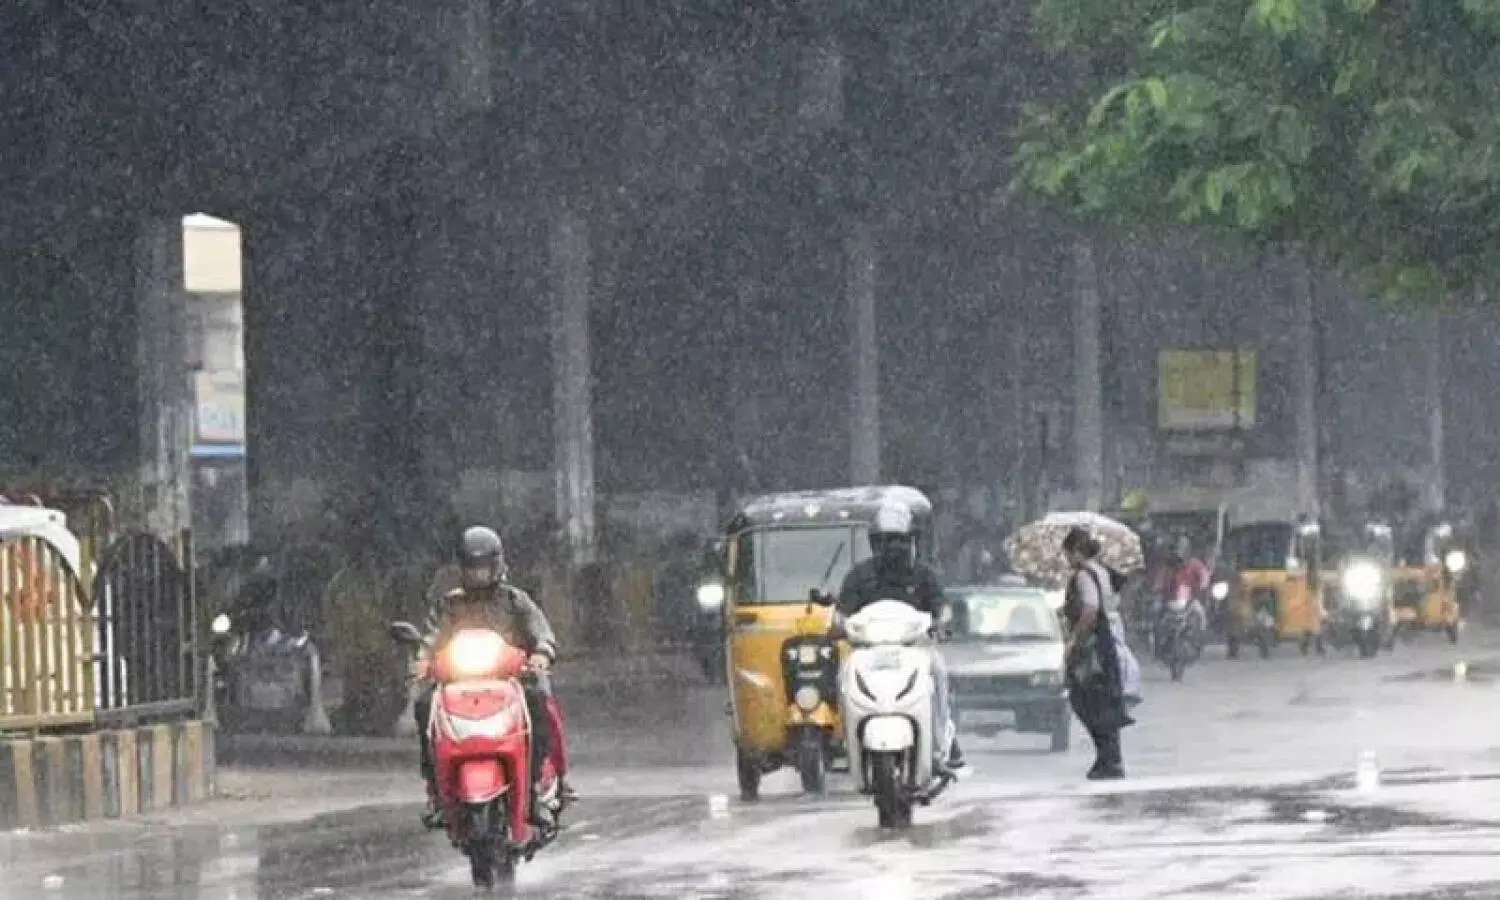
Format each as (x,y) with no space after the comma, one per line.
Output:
(1305,805)
(1485,672)
(971,823)
(1021,884)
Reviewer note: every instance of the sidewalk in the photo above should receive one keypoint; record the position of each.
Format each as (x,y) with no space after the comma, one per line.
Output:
(614,717)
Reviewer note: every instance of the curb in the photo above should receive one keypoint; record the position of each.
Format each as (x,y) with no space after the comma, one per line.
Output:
(50,781)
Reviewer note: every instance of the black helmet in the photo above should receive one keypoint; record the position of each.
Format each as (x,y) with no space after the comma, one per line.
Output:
(481,558)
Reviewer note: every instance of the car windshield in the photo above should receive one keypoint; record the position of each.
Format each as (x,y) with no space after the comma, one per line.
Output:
(1000,615)
(780,565)
(1258,546)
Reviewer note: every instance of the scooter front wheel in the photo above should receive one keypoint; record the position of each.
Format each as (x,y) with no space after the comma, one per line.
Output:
(812,760)
(490,861)
(892,806)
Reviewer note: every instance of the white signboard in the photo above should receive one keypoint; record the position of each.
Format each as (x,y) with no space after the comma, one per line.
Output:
(221,407)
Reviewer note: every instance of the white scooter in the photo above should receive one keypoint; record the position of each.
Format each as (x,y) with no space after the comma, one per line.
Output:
(886,696)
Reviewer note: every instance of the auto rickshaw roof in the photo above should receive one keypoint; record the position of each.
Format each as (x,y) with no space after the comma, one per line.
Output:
(813,507)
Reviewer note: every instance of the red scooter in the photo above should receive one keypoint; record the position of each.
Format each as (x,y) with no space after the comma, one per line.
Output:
(481,743)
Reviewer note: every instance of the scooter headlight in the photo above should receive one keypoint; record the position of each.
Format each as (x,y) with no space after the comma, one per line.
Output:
(475,653)
(221,624)
(1455,561)
(808,698)
(1220,590)
(1362,582)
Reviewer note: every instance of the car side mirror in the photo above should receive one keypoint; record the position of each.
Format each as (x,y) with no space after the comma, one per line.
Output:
(405,633)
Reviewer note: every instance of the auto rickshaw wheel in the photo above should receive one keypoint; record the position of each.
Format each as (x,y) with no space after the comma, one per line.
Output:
(812,761)
(1263,643)
(748,769)
(1232,647)
(1452,630)
(1369,645)
(1306,645)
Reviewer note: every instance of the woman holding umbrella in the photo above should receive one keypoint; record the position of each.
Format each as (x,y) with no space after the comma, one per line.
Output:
(1096,688)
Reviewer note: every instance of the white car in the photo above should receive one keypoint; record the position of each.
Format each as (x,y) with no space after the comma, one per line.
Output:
(1005,660)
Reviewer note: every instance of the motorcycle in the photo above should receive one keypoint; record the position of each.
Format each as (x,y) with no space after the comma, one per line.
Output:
(1363,614)
(264,679)
(481,744)
(1179,640)
(887,694)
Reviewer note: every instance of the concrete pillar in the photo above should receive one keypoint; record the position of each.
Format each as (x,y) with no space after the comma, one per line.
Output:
(864,426)
(1088,389)
(1305,386)
(572,423)
(165,386)
(1437,480)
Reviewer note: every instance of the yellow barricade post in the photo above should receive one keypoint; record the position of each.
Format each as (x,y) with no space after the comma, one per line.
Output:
(46,639)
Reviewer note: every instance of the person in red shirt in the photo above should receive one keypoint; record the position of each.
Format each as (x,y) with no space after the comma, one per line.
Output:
(1185,577)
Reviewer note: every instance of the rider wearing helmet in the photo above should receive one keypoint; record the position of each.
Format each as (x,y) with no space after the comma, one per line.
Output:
(487,600)
(1184,575)
(893,572)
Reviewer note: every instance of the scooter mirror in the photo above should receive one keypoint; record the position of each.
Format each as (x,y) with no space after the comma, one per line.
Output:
(817,598)
(405,633)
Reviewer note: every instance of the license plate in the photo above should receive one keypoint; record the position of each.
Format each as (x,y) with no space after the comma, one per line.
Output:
(270,697)
(886,659)
(990,718)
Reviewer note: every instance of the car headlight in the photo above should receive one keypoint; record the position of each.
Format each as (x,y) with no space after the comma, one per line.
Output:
(710,596)
(808,698)
(1220,590)
(1456,561)
(1046,678)
(1361,581)
(475,653)
(221,624)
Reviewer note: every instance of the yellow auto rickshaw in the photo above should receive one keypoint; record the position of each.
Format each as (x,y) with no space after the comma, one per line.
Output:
(1429,567)
(783,551)
(1270,572)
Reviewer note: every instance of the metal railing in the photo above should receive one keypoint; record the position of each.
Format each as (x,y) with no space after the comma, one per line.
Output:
(152,664)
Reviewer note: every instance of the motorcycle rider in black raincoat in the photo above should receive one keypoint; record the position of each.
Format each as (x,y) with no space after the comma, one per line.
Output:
(893,572)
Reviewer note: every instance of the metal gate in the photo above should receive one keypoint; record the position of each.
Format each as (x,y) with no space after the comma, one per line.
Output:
(149,635)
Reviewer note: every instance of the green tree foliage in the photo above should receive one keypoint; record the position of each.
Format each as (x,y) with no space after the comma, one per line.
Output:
(1366,131)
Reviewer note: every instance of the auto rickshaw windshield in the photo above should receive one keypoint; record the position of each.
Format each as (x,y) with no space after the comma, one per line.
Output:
(780,565)
(1258,547)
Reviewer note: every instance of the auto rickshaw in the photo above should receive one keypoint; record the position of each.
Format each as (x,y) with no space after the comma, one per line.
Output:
(1271,580)
(1429,567)
(784,553)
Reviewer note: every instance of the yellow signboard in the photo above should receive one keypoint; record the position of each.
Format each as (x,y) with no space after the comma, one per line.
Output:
(1206,390)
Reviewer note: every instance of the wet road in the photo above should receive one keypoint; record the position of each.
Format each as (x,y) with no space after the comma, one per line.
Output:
(1240,786)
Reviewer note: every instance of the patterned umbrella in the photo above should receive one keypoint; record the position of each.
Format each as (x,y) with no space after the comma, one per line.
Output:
(1036,549)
